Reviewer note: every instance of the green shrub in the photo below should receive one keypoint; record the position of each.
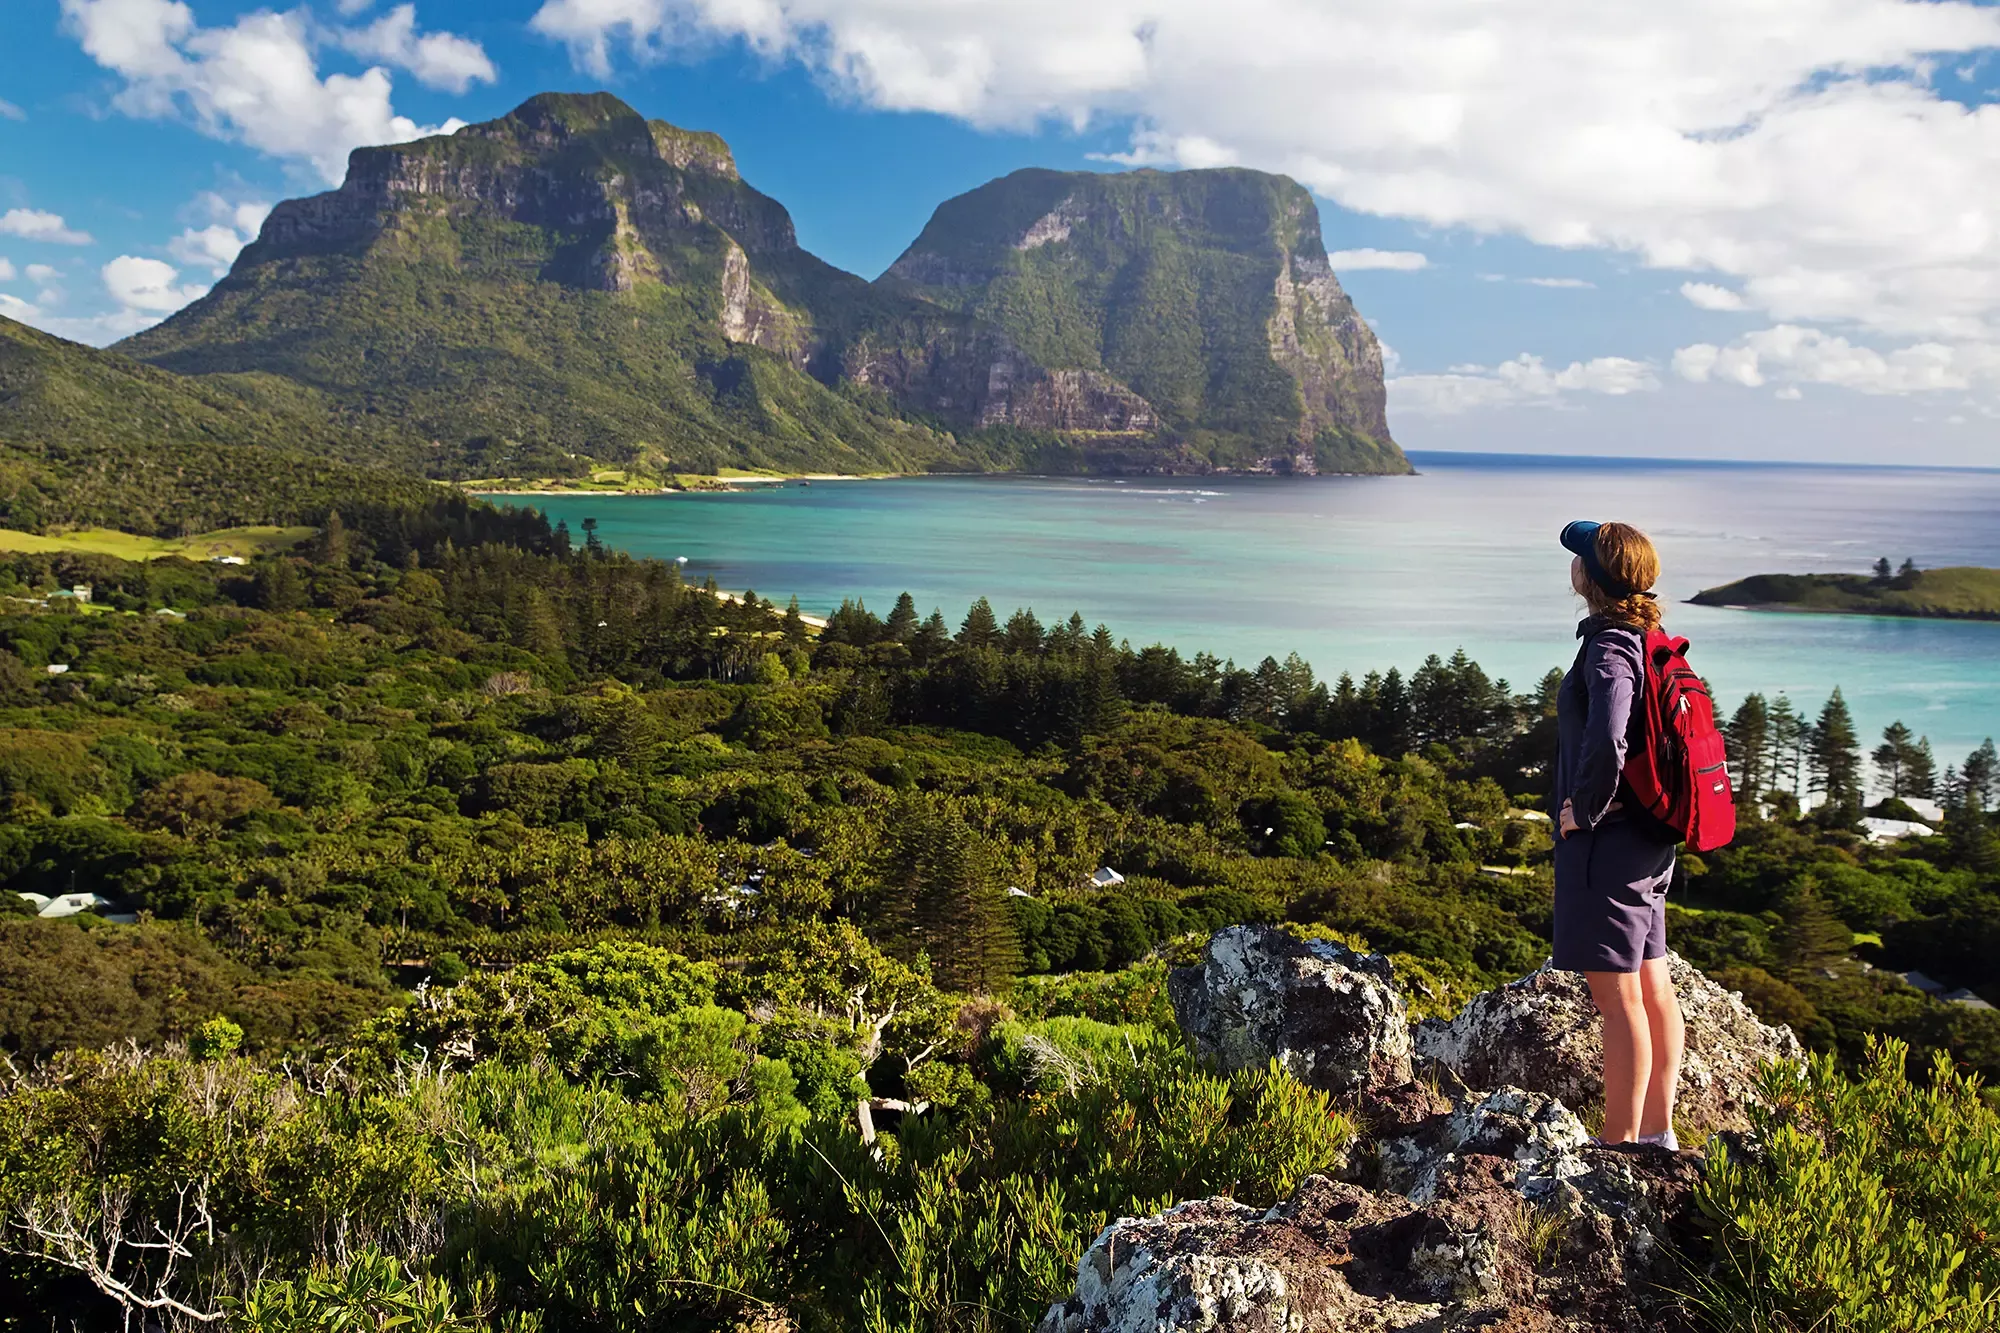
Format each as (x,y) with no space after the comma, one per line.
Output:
(1873,1206)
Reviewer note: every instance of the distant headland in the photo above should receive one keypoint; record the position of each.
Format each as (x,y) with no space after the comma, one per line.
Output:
(1961,592)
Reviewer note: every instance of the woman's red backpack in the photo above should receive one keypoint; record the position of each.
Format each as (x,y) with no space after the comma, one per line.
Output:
(1676,766)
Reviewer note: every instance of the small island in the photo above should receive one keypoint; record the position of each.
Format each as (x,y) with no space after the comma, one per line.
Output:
(1963,592)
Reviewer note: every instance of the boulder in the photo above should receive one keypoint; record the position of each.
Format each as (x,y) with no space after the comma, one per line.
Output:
(1537,1133)
(1332,1017)
(1542,1033)
(1337,1256)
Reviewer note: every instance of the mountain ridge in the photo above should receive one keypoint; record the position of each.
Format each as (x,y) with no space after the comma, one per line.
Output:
(573,282)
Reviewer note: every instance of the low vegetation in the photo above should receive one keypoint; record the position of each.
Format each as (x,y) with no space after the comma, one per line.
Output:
(520,932)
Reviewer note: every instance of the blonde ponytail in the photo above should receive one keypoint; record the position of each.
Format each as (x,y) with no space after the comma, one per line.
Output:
(1627,555)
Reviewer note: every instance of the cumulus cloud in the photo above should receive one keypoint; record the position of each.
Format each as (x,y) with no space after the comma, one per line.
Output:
(32,224)
(150,285)
(42,272)
(1526,380)
(1797,148)
(215,246)
(1708,296)
(1566,283)
(8,111)
(1401,261)
(13,307)
(6,270)
(256,82)
(1790,355)
(438,59)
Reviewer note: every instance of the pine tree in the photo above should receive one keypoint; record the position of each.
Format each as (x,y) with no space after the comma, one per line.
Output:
(1787,737)
(1981,776)
(931,640)
(981,628)
(1812,936)
(945,886)
(1891,757)
(1390,723)
(1747,744)
(795,626)
(1884,571)
(1023,633)
(334,544)
(1836,761)
(1920,771)
(535,626)
(903,621)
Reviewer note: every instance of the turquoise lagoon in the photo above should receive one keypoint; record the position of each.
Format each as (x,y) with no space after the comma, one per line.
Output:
(1364,573)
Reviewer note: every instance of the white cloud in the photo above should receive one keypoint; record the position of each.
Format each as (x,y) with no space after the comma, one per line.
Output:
(1400,261)
(1790,355)
(140,284)
(438,59)
(349,8)
(6,270)
(42,272)
(1794,148)
(1526,380)
(1708,296)
(32,224)
(13,307)
(216,245)
(8,111)
(1576,283)
(256,82)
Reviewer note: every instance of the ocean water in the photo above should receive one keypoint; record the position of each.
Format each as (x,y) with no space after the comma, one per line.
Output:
(1361,573)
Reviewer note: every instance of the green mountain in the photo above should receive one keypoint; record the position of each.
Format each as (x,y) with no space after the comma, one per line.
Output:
(90,438)
(573,282)
(1206,292)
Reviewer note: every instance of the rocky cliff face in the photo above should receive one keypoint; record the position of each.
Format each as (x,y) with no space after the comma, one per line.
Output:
(573,279)
(1460,1207)
(1206,293)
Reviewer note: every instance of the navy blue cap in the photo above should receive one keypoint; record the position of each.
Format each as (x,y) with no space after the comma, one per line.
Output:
(1580,538)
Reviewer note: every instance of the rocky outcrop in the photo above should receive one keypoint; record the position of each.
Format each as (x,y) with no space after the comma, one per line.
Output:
(1460,1207)
(1332,1017)
(1542,1033)
(1337,1257)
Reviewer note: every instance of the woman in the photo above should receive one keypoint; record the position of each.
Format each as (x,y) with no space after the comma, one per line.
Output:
(1613,860)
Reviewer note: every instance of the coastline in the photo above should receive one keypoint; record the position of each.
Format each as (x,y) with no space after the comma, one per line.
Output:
(1877,613)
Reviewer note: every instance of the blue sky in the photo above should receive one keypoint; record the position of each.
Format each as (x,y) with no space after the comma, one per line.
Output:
(1580,225)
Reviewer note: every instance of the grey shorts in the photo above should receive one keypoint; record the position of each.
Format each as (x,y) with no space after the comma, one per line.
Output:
(1611,898)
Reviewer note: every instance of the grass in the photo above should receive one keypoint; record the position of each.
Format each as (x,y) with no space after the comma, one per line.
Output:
(245,542)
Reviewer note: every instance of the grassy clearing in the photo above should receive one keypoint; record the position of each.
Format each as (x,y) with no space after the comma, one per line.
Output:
(244,542)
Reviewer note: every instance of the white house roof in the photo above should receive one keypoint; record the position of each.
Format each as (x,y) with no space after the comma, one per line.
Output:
(1016,891)
(1888,830)
(1966,998)
(69,904)
(1106,877)
(1923,983)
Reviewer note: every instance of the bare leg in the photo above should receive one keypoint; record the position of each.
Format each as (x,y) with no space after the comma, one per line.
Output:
(1628,1051)
(1669,1036)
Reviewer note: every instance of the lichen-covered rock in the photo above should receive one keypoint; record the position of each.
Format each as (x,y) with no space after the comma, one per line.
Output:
(1542,1033)
(1332,1017)
(1537,1133)
(1576,1255)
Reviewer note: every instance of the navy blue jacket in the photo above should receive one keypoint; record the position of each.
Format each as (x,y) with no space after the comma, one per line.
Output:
(1594,720)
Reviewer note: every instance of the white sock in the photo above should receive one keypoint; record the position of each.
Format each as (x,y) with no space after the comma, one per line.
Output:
(1664,1139)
